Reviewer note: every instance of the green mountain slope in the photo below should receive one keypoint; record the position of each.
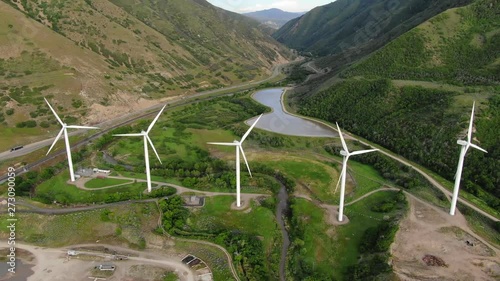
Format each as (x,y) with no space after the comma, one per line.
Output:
(414,96)
(100,58)
(345,24)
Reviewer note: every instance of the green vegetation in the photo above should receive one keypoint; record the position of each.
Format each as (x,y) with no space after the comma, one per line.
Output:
(344,26)
(319,178)
(237,232)
(481,225)
(414,122)
(57,189)
(422,120)
(105,182)
(441,50)
(198,49)
(170,276)
(298,74)
(133,220)
(318,249)
(184,139)
(207,220)
(174,213)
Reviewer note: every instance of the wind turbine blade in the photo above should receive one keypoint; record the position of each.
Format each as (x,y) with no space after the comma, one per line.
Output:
(245,158)
(129,135)
(153,147)
(344,146)
(224,143)
(469,133)
(82,127)
(478,148)
(249,130)
(156,119)
(55,140)
(53,111)
(338,183)
(363,151)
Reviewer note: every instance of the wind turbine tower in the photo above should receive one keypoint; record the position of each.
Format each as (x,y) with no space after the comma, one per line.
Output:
(346,154)
(145,136)
(238,144)
(66,139)
(465,146)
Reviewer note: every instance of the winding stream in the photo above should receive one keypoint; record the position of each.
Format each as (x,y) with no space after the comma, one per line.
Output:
(279,121)
(281,208)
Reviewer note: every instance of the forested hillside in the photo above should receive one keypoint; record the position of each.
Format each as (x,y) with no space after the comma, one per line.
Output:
(346,24)
(414,96)
(460,46)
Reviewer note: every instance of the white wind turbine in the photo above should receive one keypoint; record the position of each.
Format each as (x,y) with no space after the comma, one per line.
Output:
(238,144)
(66,139)
(465,146)
(346,154)
(144,134)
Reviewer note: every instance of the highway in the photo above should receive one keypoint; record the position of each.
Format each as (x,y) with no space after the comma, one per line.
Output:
(117,122)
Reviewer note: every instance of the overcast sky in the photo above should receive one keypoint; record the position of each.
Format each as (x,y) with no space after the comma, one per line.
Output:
(243,6)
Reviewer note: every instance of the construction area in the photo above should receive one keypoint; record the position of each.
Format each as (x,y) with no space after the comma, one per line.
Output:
(102,262)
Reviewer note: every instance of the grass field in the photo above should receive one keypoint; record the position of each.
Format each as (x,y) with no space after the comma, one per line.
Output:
(208,219)
(481,225)
(105,182)
(331,249)
(367,179)
(317,247)
(318,177)
(133,175)
(128,224)
(58,188)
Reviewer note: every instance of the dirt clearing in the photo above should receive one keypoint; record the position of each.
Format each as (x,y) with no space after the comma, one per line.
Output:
(432,245)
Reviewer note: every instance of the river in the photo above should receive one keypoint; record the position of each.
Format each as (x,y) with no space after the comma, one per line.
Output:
(281,208)
(279,121)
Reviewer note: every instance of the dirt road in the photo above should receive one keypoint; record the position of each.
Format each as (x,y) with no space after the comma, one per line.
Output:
(53,263)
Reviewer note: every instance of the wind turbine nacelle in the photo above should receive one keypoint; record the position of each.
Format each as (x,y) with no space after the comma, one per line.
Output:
(343,153)
(462,142)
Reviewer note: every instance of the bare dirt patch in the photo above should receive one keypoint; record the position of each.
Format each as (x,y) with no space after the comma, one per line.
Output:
(331,215)
(431,245)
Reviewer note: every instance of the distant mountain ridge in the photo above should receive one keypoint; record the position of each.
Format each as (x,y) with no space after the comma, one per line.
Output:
(274,17)
(336,27)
